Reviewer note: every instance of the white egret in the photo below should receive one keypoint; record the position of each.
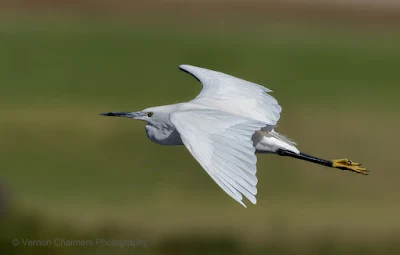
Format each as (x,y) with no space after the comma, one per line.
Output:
(223,127)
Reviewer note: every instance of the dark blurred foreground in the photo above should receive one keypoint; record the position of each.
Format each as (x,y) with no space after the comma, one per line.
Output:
(61,238)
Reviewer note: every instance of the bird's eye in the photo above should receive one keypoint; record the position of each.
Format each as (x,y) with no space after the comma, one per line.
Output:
(149,114)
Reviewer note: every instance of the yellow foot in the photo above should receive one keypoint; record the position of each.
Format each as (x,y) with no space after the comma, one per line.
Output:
(346,164)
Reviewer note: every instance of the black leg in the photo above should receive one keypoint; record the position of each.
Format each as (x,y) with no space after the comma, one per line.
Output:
(305,157)
(343,164)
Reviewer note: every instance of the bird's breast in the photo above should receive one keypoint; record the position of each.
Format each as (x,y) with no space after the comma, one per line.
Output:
(163,135)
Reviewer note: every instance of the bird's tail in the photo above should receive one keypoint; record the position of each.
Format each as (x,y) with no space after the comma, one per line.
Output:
(282,138)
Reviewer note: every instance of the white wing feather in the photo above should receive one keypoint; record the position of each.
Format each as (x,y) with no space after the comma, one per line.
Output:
(228,93)
(221,143)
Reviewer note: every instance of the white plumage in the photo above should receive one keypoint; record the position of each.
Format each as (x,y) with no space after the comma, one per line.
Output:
(221,143)
(230,94)
(222,128)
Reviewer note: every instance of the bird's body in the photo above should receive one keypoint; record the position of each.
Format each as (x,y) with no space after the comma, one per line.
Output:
(165,133)
(223,127)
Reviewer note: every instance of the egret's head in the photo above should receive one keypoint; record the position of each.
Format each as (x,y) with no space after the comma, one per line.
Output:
(153,116)
(159,128)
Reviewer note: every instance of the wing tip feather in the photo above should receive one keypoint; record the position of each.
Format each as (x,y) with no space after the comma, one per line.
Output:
(189,69)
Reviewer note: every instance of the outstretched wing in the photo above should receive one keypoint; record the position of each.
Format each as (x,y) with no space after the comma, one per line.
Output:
(221,143)
(227,93)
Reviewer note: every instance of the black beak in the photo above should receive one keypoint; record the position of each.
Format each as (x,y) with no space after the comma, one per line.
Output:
(115,114)
(132,115)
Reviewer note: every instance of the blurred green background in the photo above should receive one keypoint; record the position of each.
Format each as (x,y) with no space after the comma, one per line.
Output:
(67,173)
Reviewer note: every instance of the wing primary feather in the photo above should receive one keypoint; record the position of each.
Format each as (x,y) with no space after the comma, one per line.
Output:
(221,143)
(231,94)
